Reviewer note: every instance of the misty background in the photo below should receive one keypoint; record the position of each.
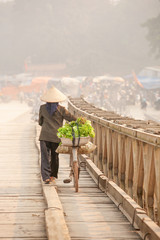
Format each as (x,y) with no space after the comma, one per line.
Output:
(82,37)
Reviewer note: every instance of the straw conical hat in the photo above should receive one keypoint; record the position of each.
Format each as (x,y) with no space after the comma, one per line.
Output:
(53,95)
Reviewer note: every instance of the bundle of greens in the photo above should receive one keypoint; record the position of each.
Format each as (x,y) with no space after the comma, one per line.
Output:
(81,127)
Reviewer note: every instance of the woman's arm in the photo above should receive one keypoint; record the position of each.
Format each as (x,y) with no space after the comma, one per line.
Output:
(66,114)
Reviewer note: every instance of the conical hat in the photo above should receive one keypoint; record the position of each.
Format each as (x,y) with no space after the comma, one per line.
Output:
(53,95)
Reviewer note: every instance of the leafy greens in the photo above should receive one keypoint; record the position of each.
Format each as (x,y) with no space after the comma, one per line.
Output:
(81,127)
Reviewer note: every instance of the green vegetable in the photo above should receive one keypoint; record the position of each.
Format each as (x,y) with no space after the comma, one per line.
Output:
(84,129)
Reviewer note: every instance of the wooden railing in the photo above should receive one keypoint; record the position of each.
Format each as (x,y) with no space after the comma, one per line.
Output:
(128,152)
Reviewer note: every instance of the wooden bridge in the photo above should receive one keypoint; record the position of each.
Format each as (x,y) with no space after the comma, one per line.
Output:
(119,195)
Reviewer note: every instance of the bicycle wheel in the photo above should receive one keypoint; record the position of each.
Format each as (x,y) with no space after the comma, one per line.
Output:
(75,175)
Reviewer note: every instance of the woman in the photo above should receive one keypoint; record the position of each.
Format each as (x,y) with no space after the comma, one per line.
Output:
(51,116)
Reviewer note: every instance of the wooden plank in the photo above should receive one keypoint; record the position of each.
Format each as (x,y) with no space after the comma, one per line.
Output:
(20,181)
(22,190)
(20,175)
(94,215)
(104,238)
(13,166)
(34,171)
(17,159)
(101,229)
(18,209)
(19,185)
(87,200)
(28,238)
(6,195)
(22,230)
(22,217)
(22,202)
(23,178)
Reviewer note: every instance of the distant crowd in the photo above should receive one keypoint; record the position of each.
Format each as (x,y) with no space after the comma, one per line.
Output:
(113,94)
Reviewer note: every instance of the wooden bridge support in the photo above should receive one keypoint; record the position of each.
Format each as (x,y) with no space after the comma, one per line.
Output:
(128,152)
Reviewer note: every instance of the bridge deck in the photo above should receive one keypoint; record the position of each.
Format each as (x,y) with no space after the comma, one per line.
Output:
(90,214)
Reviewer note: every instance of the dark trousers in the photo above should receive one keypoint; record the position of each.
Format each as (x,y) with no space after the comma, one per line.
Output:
(49,160)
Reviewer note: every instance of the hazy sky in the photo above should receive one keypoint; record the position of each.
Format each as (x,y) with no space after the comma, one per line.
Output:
(86,37)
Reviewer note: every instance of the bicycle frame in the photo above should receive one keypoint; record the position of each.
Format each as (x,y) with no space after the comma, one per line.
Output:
(74,164)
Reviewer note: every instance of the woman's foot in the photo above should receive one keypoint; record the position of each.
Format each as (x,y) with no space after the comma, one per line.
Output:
(52,179)
(47,181)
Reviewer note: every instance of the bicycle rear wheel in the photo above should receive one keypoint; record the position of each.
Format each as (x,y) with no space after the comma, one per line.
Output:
(75,175)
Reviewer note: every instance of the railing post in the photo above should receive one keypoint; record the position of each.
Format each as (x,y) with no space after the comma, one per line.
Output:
(109,154)
(115,156)
(129,167)
(140,176)
(104,150)
(135,147)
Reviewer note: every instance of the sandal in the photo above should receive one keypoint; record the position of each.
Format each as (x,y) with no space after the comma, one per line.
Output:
(52,179)
(47,181)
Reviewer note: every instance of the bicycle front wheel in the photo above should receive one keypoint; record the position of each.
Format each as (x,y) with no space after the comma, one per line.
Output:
(75,175)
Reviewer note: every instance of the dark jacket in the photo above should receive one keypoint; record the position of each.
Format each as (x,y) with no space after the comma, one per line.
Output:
(50,124)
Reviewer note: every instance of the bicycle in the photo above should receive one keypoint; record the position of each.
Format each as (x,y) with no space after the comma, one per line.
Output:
(74,159)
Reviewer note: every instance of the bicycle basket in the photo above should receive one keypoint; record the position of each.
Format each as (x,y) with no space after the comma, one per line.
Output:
(69,142)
